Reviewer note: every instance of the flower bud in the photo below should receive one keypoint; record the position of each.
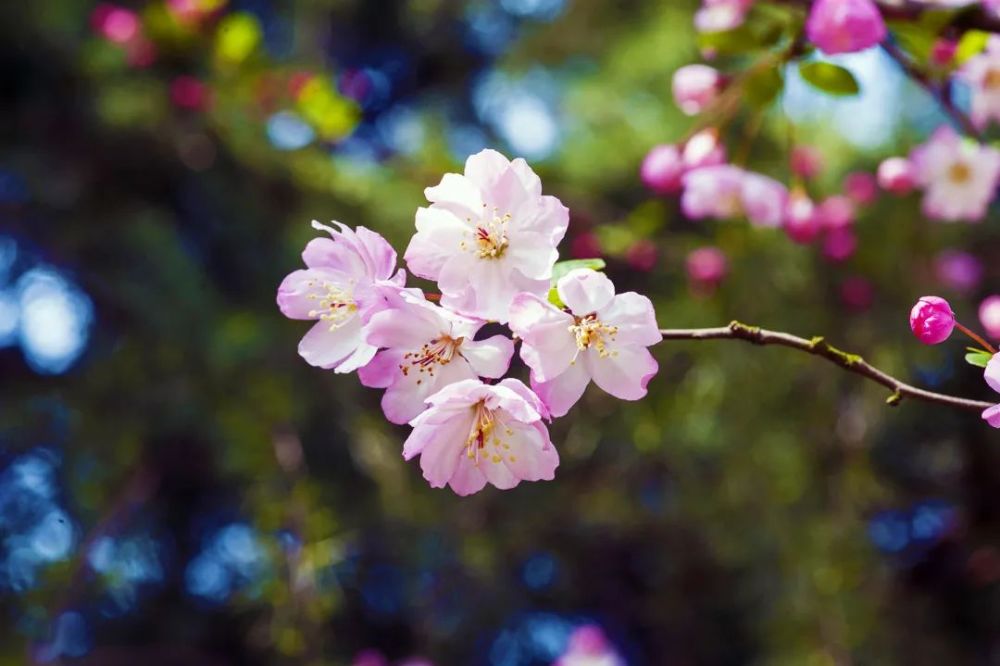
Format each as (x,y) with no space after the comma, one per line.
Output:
(662,169)
(836,212)
(703,150)
(840,244)
(695,87)
(845,26)
(802,221)
(706,266)
(860,187)
(989,316)
(897,175)
(805,161)
(932,320)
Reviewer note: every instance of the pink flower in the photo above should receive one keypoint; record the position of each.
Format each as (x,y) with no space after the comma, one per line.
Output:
(992,375)
(836,212)
(696,87)
(703,149)
(721,15)
(839,244)
(989,316)
(426,348)
(115,24)
(473,433)
(662,169)
(341,287)
(844,26)
(805,161)
(713,192)
(603,337)
(802,221)
(763,200)
(982,73)
(860,187)
(487,235)
(959,270)
(706,266)
(897,175)
(589,647)
(932,320)
(959,176)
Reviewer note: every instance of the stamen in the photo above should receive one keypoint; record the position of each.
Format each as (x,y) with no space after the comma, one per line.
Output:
(439,351)
(592,332)
(335,306)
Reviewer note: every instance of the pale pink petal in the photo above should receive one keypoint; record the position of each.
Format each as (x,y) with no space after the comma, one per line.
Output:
(486,168)
(441,447)
(407,397)
(585,291)
(529,396)
(383,369)
(529,179)
(549,217)
(561,393)
(457,194)
(497,473)
(490,357)
(301,291)
(357,360)
(325,347)
(548,346)
(467,479)
(328,253)
(381,256)
(625,373)
(531,456)
(635,319)
(511,401)
(406,327)
(489,290)
(439,236)
(532,254)
(992,415)
(992,373)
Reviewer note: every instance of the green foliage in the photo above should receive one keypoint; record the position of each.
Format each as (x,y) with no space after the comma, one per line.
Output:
(977,357)
(829,78)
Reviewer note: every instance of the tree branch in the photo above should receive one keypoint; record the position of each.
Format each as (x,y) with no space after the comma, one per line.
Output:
(818,346)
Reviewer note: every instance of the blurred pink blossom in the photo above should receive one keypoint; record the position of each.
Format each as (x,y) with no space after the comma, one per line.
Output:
(845,26)
(802,220)
(897,175)
(959,176)
(958,270)
(706,266)
(695,87)
(805,161)
(982,73)
(860,187)
(989,316)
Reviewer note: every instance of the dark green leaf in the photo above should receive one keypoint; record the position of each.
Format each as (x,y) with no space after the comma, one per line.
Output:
(761,88)
(831,79)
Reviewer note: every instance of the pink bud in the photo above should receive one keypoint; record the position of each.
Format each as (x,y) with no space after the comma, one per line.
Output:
(840,244)
(115,24)
(662,169)
(695,87)
(703,150)
(642,255)
(959,270)
(989,316)
(857,293)
(897,175)
(802,222)
(806,161)
(844,26)
(585,245)
(188,92)
(588,640)
(932,320)
(836,212)
(706,266)
(943,52)
(860,187)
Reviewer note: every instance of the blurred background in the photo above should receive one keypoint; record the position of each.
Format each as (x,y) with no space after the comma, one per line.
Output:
(178,486)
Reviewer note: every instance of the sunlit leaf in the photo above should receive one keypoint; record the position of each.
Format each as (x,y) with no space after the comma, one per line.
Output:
(831,79)
(563,267)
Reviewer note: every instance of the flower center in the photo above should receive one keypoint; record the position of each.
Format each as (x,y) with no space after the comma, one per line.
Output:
(592,332)
(438,351)
(959,173)
(992,79)
(483,432)
(335,306)
(490,235)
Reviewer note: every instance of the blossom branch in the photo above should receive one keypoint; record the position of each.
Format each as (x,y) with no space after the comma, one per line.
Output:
(818,346)
(937,92)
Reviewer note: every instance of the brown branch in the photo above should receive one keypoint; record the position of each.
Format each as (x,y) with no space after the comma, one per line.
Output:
(936,91)
(818,346)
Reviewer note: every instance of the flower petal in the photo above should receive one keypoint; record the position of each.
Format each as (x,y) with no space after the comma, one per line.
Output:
(548,346)
(635,319)
(561,393)
(439,236)
(625,373)
(407,397)
(383,369)
(531,456)
(467,479)
(992,372)
(326,347)
(490,357)
(585,291)
(992,415)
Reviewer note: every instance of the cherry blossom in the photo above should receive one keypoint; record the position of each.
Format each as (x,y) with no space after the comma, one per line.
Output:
(897,175)
(844,26)
(721,15)
(341,288)
(982,73)
(695,87)
(474,433)
(603,337)
(959,176)
(932,320)
(426,348)
(992,375)
(488,234)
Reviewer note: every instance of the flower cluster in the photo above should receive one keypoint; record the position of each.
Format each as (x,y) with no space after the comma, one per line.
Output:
(488,239)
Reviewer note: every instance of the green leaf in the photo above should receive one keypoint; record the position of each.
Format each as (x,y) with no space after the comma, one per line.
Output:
(971,44)
(554,298)
(563,267)
(831,79)
(977,357)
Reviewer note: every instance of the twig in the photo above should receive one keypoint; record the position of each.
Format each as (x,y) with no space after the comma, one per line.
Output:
(818,346)
(921,78)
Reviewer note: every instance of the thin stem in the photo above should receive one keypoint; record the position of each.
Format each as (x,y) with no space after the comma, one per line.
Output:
(818,346)
(947,105)
(975,336)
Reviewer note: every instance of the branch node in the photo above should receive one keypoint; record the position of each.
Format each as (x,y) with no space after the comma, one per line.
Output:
(894,399)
